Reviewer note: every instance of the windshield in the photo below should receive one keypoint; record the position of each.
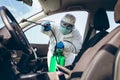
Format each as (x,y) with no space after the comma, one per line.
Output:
(21,10)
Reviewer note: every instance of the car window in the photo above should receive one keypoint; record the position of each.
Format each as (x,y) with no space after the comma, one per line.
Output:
(35,36)
(21,11)
(111,20)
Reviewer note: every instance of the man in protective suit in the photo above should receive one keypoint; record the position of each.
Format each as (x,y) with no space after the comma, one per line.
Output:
(64,36)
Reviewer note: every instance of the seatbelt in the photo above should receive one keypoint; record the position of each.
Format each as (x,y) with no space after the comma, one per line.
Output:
(81,51)
(88,35)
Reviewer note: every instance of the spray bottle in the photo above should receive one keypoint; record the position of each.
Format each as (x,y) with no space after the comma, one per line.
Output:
(57,58)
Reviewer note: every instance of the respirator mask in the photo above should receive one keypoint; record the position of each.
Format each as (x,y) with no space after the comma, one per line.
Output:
(67,24)
(66,28)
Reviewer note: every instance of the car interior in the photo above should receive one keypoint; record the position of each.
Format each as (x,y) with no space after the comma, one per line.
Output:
(98,58)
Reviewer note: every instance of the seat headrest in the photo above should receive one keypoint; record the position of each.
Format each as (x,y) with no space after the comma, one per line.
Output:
(100,20)
(117,12)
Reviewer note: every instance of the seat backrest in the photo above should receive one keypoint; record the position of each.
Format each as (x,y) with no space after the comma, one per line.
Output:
(101,66)
(88,55)
(116,67)
(101,24)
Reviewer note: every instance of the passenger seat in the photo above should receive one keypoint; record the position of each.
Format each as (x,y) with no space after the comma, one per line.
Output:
(97,63)
(100,24)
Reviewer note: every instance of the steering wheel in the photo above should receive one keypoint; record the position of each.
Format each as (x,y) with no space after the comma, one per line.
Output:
(15,30)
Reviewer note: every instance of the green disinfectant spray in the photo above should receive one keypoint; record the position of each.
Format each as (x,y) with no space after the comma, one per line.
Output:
(57,58)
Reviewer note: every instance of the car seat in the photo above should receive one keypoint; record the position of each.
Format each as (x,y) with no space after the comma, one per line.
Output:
(101,24)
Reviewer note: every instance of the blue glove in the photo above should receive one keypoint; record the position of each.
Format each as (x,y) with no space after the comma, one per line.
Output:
(46,25)
(60,45)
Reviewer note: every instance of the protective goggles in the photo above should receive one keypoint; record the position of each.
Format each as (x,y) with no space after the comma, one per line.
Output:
(66,25)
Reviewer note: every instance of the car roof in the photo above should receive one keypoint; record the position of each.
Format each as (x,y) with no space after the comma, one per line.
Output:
(54,6)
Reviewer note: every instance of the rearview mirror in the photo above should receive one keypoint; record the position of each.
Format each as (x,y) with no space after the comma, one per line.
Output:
(28,2)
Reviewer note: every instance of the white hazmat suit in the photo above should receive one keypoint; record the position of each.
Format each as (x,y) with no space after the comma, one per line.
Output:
(72,42)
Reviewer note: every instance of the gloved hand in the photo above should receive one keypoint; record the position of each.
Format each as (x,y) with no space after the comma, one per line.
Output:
(60,45)
(46,25)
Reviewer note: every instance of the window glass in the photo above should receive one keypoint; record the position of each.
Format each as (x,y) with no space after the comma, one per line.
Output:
(35,36)
(21,10)
(111,21)
(1,23)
